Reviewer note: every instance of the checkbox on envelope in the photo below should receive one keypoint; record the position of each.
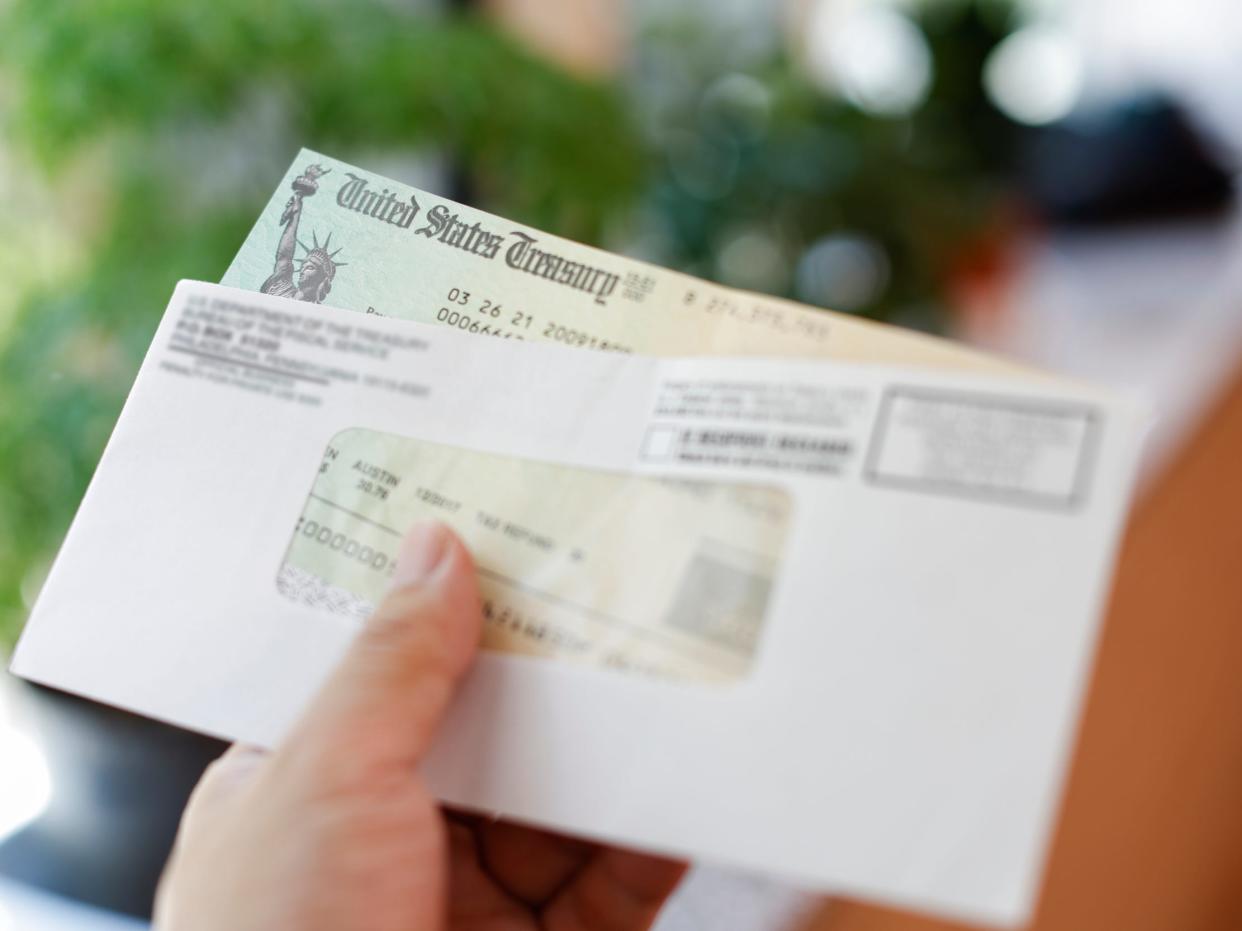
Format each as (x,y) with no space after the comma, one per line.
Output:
(660,444)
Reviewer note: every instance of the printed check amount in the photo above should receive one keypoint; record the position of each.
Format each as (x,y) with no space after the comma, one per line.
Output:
(677,576)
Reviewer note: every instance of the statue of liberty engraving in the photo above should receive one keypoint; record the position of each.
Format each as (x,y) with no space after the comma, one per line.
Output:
(318,266)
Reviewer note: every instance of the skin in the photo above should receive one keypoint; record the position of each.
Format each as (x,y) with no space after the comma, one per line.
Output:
(311,837)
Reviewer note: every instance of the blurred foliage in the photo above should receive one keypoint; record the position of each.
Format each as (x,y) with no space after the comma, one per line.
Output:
(161,128)
(764,151)
(173,120)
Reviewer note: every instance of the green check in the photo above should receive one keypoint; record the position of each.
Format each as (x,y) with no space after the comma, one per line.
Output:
(335,234)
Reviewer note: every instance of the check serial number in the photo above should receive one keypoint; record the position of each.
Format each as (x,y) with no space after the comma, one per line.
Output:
(486,317)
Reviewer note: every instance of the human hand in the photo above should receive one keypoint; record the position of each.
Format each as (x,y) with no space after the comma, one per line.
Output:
(335,830)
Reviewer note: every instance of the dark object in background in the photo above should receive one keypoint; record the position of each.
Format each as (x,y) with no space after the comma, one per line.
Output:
(119,784)
(1142,160)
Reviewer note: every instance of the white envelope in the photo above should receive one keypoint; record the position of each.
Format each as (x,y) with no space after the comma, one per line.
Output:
(903,731)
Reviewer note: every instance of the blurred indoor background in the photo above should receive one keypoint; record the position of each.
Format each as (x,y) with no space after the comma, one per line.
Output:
(1052,179)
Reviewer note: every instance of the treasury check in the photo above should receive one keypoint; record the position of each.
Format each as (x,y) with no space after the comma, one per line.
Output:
(824,620)
(338,235)
(548,540)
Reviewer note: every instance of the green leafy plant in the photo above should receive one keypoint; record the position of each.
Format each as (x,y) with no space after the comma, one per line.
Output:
(757,155)
(174,121)
(163,128)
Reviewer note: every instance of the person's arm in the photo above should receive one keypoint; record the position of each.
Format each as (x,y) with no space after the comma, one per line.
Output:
(335,830)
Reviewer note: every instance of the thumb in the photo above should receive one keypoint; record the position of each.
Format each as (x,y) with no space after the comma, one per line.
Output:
(383,704)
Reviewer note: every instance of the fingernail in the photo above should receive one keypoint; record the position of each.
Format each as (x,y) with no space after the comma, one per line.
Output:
(424,548)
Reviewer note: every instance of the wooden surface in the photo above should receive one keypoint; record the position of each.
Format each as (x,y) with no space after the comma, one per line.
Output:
(1150,833)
